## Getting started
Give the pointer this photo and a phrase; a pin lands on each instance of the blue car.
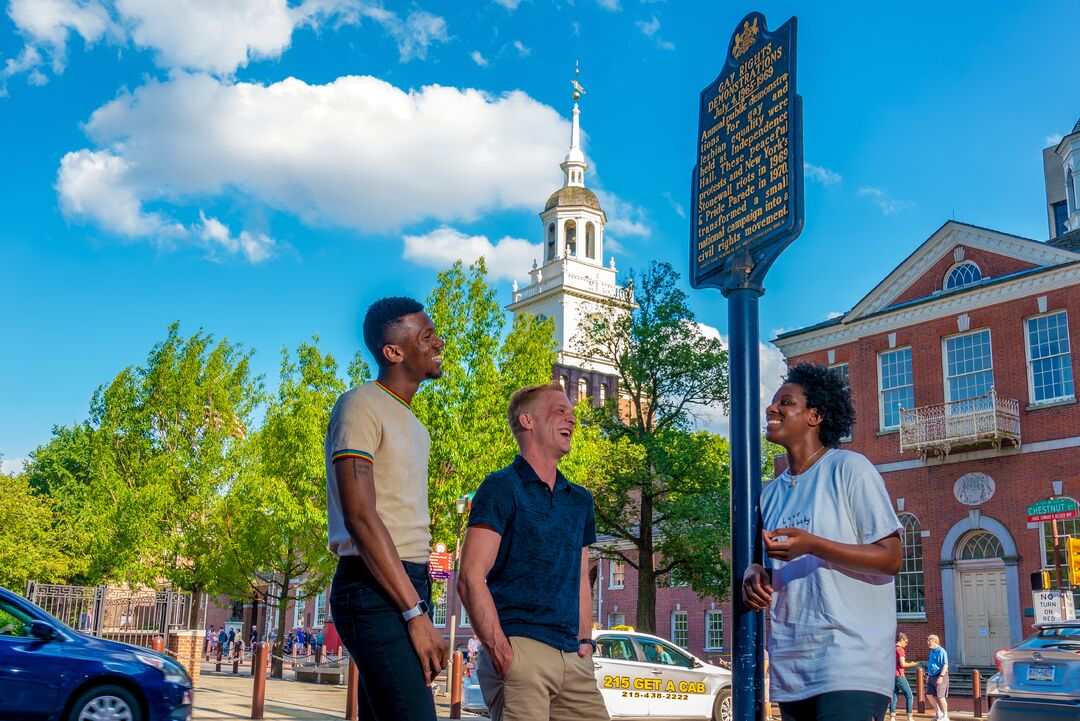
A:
(50, 671)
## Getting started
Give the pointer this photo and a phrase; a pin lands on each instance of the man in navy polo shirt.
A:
(524, 575)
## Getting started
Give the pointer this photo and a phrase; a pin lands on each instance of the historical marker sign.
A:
(1052, 509)
(748, 180)
(440, 563)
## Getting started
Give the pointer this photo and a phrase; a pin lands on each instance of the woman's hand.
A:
(756, 588)
(796, 543)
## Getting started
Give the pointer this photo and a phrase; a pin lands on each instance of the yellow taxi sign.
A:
(1072, 557)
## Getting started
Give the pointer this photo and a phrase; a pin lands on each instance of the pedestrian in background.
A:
(937, 678)
(208, 643)
(902, 685)
(378, 518)
(223, 641)
(231, 645)
(524, 575)
(253, 637)
(833, 541)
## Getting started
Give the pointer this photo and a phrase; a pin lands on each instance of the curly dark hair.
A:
(380, 320)
(828, 393)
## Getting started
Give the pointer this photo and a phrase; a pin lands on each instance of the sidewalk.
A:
(225, 696)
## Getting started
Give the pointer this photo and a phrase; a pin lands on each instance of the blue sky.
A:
(264, 169)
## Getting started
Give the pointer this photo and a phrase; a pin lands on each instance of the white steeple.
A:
(574, 166)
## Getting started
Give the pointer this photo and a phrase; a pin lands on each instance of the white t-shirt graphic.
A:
(831, 629)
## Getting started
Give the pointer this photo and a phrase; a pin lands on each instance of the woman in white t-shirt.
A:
(833, 544)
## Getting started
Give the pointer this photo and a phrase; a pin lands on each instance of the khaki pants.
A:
(542, 683)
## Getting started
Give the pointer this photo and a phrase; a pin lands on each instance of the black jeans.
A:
(837, 706)
(392, 685)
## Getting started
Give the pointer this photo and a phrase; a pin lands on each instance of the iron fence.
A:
(130, 615)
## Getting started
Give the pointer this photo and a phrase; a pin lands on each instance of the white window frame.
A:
(912, 615)
(439, 605)
(613, 564)
(299, 606)
(318, 618)
(1030, 360)
(881, 390)
(685, 617)
(616, 615)
(463, 620)
(945, 361)
(709, 616)
(954, 266)
(837, 366)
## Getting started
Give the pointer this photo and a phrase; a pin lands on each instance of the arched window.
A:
(563, 381)
(551, 242)
(603, 392)
(962, 275)
(582, 389)
(910, 592)
(571, 238)
(980, 545)
(590, 241)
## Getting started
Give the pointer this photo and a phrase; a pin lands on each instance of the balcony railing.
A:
(988, 420)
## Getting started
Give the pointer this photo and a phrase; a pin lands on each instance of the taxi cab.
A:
(645, 677)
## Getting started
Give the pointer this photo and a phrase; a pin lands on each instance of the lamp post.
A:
(462, 504)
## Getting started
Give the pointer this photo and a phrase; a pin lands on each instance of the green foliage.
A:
(32, 545)
(465, 410)
(658, 485)
(271, 525)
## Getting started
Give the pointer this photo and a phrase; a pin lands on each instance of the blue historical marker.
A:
(747, 199)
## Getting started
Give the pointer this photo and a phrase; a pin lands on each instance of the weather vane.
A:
(578, 90)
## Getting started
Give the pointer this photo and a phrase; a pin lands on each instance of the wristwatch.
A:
(588, 641)
(419, 609)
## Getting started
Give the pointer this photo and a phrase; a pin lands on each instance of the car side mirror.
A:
(698, 663)
(43, 631)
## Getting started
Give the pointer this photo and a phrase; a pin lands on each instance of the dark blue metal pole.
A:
(748, 626)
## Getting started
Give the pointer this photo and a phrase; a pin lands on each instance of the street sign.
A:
(1053, 606)
(1052, 509)
(440, 563)
(1072, 558)
(747, 194)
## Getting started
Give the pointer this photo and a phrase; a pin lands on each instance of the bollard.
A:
(157, 643)
(920, 681)
(294, 650)
(217, 668)
(237, 650)
(318, 655)
(455, 686)
(351, 691)
(976, 692)
(258, 686)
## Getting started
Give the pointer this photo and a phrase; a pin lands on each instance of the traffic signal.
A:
(1040, 581)
(1072, 557)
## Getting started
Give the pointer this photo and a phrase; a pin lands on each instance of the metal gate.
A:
(129, 615)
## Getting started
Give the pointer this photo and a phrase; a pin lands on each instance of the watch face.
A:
(423, 606)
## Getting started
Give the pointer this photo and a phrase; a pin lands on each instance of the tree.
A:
(465, 410)
(271, 525)
(663, 489)
(32, 545)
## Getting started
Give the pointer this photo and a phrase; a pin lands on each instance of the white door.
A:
(622, 676)
(983, 614)
(683, 689)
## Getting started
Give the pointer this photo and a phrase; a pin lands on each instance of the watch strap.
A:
(419, 609)
(589, 641)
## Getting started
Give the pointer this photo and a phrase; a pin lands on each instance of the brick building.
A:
(960, 366)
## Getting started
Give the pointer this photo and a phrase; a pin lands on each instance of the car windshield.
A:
(1056, 636)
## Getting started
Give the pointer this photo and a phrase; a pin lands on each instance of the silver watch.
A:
(420, 608)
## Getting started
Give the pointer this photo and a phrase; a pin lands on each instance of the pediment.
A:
(922, 272)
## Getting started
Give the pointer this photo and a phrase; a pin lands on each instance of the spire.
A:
(574, 166)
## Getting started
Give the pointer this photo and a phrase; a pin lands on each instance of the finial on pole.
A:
(578, 90)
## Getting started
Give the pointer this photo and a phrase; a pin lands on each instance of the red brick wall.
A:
(992, 265)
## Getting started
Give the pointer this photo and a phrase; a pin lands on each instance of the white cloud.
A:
(1054, 139)
(821, 175)
(256, 247)
(886, 202)
(833, 314)
(624, 218)
(675, 205)
(651, 30)
(522, 50)
(509, 4)
(13, 465)
(478, 58)
(347, 153)
(771, 370)
(610, 5)
(509, 258)
(215, 36)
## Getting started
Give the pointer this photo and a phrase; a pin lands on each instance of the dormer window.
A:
(963, 275)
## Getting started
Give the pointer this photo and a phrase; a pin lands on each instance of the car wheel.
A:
(722, 706)
(106, 703)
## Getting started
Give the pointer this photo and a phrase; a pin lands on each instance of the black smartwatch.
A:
(588, 641)
(419, 609)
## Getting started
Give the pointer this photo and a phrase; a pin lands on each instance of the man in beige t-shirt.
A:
(377, 518)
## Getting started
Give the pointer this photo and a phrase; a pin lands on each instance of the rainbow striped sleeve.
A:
(349, 453)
